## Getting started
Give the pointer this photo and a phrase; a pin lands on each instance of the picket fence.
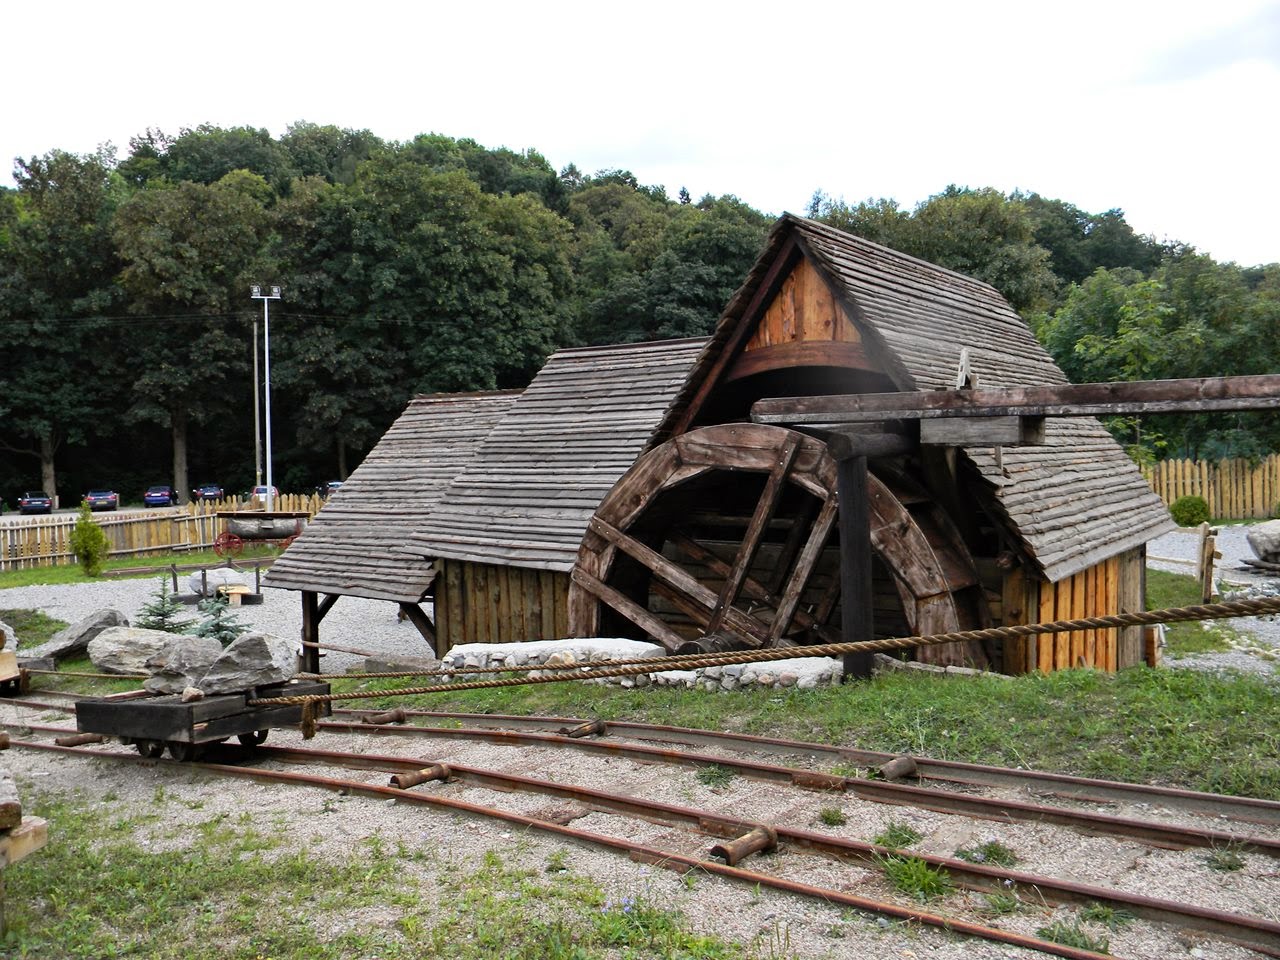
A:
(1234, 489)
(43, 541)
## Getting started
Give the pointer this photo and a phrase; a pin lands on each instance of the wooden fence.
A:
(1234, 489)
(44, 541)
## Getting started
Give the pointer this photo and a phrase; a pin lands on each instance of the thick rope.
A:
(1212, 611)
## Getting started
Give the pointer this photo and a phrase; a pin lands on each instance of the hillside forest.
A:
(438, 264)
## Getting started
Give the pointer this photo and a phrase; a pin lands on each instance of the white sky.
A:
(1168, 110)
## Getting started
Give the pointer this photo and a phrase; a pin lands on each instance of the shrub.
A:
(162, 611)
(89, 543)
(219, 622)
(1189, 511)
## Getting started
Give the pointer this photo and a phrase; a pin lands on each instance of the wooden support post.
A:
(418, 617)
(309, 658)
(855, 562)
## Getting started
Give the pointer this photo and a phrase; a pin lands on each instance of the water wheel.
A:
(727, 530)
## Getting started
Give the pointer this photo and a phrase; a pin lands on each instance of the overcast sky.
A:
(1166, 109)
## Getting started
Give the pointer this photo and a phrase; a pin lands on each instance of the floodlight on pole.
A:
(255, 293)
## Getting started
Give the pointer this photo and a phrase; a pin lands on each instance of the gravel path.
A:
(1259, 651)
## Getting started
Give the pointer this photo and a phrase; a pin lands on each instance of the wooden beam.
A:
(801, 353)
(751, 587)
(418, 617)
(856, 603)
(803, 570)
(326, 605)
(1010, 431)
(845, 445)
(23, 840)
(750, 629)
(765, 509)
(1197, 395)
(637, 614)
(309, 658)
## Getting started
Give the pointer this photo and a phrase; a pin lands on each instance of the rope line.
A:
(1211, 611)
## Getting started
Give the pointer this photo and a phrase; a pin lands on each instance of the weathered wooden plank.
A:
(21, 841)
(1260, 392)
(637, 614)
(805, 564)
(1010, 430)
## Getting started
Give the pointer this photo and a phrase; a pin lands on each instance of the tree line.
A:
(438, 264)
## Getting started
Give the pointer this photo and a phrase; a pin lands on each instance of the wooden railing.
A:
(42, 541)
(1234, 489)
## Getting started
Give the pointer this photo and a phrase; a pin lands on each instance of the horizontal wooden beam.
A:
(982, 431)
(1197, 395)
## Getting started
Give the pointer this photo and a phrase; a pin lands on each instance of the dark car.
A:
(35, 501)
(102, 500)
(160, 496)
(207, 491)
(328, 489)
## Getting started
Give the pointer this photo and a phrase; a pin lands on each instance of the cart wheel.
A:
(180, 751)
(284, 544)
(251, 740)
(227, 544)
(149, 748)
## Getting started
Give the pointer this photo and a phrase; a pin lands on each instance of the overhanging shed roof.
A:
(1071, 502)
(527, 495)
(353, 546)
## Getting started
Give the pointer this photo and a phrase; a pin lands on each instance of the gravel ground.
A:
(1260, 650)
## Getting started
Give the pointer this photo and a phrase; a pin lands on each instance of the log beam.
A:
(1195, 395)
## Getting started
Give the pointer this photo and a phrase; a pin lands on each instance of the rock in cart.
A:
(153, 724)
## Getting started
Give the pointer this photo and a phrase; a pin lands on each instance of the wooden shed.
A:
(626, 491)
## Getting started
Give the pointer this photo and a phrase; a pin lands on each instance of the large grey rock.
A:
(127, 649)
(253, 660)
(207, 583)
(76, 638)
(8, 638)
(1264, 539)
(182, 663)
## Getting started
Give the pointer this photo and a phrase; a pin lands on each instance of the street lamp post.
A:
(255, 293)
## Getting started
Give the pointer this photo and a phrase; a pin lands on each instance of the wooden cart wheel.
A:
(251, 740)
(149, 748)
(227, 544)
(285, 543)
(181, 751)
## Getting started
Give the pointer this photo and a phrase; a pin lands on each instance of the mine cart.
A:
(256, 526)
(154, 723)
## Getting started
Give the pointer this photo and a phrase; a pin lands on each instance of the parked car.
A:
(207, 491)
(160, 496)
(328, 489)
(102, 500)
(260, 494)
(35, 501)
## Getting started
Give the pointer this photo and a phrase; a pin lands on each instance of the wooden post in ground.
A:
(309, 658)
(855, 562)
(1207, 553)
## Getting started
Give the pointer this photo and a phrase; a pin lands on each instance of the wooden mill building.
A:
(627, 492)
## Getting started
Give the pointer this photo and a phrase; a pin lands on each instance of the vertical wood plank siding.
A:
(1115, 585)
(1236, 489)
(44, 541)
(486, 603)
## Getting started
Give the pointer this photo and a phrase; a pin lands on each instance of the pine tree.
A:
(219, 622)
(161, 611)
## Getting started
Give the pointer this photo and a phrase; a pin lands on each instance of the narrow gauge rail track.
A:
(1252, 932)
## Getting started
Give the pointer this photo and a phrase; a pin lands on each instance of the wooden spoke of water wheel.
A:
(756, 612)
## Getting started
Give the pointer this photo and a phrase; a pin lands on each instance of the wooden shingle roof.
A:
(527, 495)
(353, 546)
(1071, 502)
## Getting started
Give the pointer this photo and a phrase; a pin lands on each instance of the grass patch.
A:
(714, 775)
(71, 572)
(832, 817)
(1071, 934)
(32, 626)
(992, 851)
(897, 835)
(1110, 917)
(1001, 904)
(1166, 589)
(915, 877)
(237, 892)
(1225, 859)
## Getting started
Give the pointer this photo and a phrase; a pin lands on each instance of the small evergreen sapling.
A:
(89, 543)
(162, 610)
(219, 622)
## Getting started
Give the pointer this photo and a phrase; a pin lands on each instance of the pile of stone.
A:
(194, 666)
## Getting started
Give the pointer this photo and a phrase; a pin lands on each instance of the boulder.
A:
(8, 639)
(253, 660)
(127, 649)
(181, 664)
(76, 638)
(1264, 538)
(207, 583)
